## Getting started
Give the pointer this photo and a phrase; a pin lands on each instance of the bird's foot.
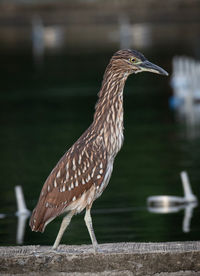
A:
(54, 249)
(97, 249)
(45, 251)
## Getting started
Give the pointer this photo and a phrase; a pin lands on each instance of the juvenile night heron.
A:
(84, 171)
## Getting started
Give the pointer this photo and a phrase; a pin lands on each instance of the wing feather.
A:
(83, 165)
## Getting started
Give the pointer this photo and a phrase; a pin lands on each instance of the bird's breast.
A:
(113, 133)
(106, 178)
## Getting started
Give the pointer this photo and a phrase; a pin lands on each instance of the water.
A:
(44, 110)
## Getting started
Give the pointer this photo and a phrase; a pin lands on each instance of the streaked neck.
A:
(108, 117)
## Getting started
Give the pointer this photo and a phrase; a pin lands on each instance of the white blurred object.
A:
(167, 201)
(131, 35)
(188, 194)
(171, 204)
(188, 216)
(185, 82)
(142, 35)
(22, 213)
(125, 32)
(53, 36)
(44, 37)
(38, 43)
(21, 205)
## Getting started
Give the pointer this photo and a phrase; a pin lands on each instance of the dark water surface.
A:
(43, 111)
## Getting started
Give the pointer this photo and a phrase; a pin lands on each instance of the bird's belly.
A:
(85, 200)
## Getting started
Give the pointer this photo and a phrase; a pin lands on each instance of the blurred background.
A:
(52, 58)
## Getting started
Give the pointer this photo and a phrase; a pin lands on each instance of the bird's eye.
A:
(132, 59)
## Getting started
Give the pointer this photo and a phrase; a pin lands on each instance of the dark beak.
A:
(151, 67)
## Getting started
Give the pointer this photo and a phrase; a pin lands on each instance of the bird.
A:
(83, 172)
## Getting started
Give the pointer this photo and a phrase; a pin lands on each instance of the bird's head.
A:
(131, 61)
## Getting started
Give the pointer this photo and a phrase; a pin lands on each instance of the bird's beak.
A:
(151, 67)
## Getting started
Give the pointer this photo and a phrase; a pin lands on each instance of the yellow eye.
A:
(132, 59)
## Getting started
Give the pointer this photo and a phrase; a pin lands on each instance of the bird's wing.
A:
(81, 167)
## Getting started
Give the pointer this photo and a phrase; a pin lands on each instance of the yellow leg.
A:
(88, 222)
(65, 222)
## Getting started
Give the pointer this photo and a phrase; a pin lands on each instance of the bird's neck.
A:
(108, 117)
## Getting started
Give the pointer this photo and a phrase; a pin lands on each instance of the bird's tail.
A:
(37, 227)
(37, 222)
(42, 215)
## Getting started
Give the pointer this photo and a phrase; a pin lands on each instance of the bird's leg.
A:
(65, 222)
(88, 222)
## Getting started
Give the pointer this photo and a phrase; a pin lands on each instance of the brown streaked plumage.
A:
(84, 171)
